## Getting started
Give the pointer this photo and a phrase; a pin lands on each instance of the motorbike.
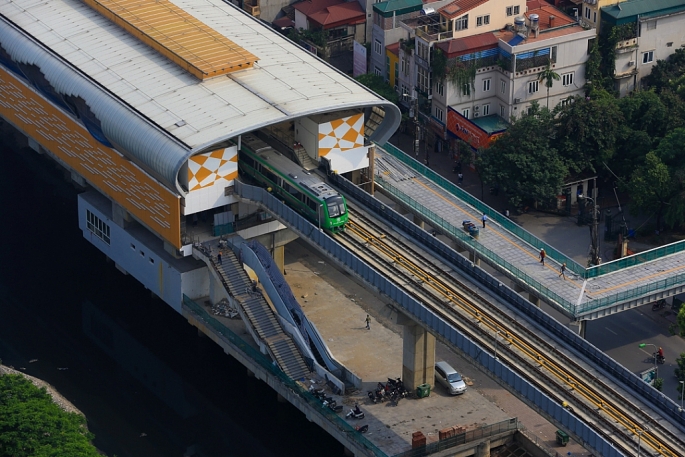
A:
(362, 429)
(355, 413)
(658, 305)
(332, 405)
(660, 359)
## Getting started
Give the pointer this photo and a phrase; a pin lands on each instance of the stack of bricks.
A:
(418, 439)
(449, 432)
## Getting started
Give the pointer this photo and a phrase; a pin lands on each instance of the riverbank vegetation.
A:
(33, 425)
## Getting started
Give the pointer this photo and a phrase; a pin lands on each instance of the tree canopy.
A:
(31, 424)
(378, 85)
(523, 161)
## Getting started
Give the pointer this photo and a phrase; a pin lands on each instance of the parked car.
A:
(449, 378)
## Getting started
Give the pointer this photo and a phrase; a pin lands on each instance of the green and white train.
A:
(301, 190)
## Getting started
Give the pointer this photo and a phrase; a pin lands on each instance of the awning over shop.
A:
(478, 133)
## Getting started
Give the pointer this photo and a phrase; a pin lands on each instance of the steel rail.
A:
(380, 241)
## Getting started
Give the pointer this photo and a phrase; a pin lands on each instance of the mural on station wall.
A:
(104, 168)
(341, 135)
(204, 170)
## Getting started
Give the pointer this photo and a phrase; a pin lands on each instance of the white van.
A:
(448, 377)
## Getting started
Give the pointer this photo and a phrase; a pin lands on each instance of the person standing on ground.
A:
(368, 322)
(562, 270)
(484, 218)
(460, 177)
(218, 256)
(543, 254)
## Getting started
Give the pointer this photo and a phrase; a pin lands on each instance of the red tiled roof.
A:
(308, 7)
(544, 10)
(467, 45)
(340, 14)
(459, 7)
(284, 22)
(394, 48)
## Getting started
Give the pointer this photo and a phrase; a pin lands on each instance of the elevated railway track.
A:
(555, 372)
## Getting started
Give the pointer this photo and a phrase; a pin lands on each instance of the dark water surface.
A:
(62, 304)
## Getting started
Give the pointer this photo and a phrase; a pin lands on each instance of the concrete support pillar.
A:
(421, 224)
(483, 449)
(518, 289)
(418, 355)
(534, 300)
(474, 258)
(279, 257)
(583, 328)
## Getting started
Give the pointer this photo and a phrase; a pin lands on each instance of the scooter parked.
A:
(355, 413)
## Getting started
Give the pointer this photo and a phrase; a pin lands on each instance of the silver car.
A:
(448, 377)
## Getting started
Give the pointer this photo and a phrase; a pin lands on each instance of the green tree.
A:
(548, 75)
(651, 187)
(523, 162)
(645, 111)
(31, 424)
(378, 85)
(680, 362)
(680, 320)
(586, 131)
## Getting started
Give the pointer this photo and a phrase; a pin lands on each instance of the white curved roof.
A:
(286, 82)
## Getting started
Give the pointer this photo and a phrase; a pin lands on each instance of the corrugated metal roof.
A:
(460, 46)
(156, 111)
(177, 35)
(398, 7)
(627, 11)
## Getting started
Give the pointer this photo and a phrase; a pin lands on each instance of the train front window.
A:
(336, 206)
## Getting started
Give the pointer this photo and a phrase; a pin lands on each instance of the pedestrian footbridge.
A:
(586, 294)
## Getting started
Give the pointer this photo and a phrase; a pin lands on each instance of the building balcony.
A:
(626, 45)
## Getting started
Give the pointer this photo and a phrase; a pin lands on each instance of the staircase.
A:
(303, 158)
(261, 317)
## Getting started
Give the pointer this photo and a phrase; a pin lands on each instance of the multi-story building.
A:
(506, 72)
(387, 29)
(651, 31)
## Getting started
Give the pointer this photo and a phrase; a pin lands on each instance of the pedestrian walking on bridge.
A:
(543, 254)
(484, 218)
(562, 270)
(368, 322)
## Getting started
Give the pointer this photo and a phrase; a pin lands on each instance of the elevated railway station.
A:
(151, 107)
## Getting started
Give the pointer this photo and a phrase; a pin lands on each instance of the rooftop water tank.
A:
(534, 21)
(426, 10)
(520, 24)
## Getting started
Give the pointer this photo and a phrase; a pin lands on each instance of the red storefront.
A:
(474, 135)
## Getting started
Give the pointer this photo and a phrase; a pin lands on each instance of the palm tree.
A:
(548, 76)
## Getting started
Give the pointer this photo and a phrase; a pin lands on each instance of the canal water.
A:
(147, 383)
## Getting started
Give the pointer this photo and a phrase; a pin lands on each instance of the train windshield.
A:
(336, 206)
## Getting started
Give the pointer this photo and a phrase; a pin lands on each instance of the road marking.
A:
(611, 330)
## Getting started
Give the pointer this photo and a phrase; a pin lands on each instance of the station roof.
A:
(140, 95)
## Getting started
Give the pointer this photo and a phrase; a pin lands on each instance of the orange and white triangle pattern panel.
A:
(341, 135)
(206, 169)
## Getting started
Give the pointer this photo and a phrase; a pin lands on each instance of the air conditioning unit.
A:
(517, 100)
(476, 108)
(476, 114)
(631, 63)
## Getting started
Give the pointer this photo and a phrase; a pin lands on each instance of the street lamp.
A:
(594, 232)
(656, 369)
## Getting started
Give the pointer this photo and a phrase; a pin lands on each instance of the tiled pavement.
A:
(518, 252)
